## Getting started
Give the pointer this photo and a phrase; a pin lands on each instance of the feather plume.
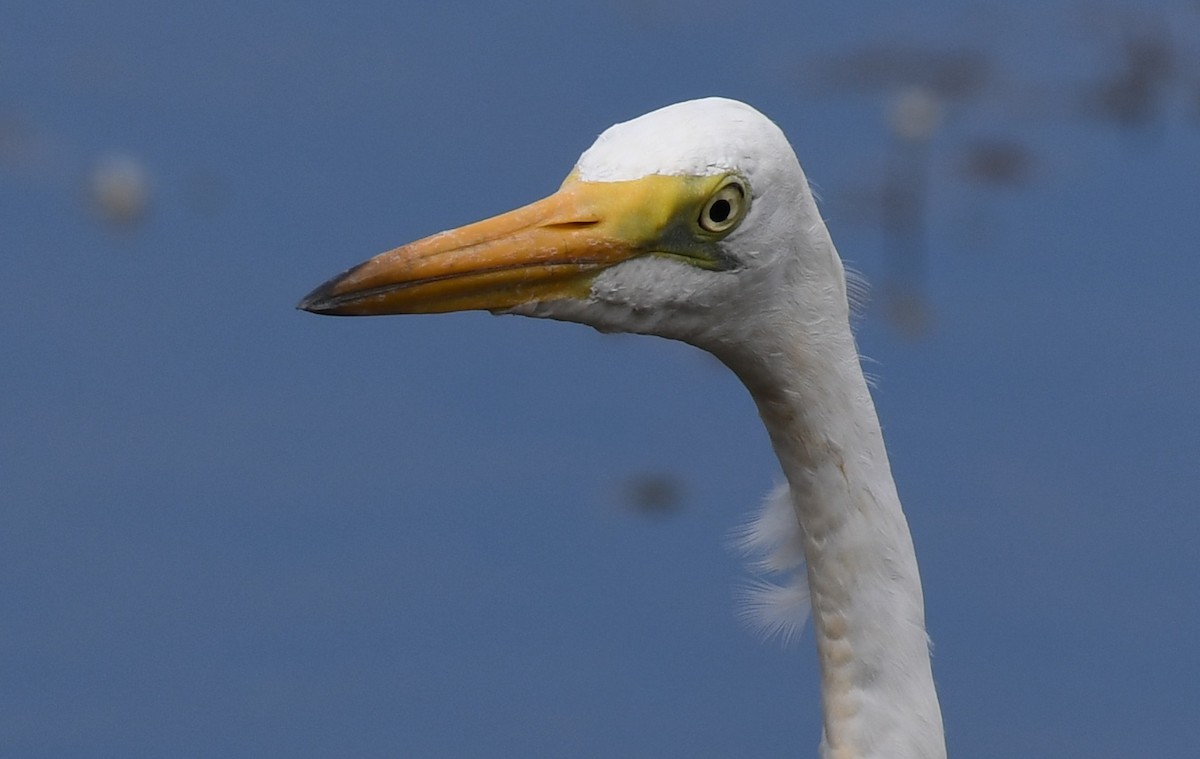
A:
(775, 602)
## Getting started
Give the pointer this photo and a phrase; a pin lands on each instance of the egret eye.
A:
(724, 209)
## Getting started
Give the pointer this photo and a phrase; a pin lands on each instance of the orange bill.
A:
(548, 249)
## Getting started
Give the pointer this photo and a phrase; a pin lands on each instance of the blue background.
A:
(231, 529)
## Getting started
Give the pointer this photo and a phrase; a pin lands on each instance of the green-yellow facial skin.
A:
(661, 212)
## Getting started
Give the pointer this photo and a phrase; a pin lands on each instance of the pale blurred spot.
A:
(915, 114)
(997, 162)
(654, 494)
(119, 190)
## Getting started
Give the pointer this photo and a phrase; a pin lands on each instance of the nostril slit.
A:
(573, 224)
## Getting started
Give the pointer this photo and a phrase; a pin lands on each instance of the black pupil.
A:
(719, 210)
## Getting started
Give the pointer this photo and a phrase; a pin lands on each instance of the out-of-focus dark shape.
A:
(1135, 94)
(119, 189)
(952, 74)
(903, 213)
(654, 494)
(897, 204)
(856, 204)
(1147, 61)
(997, 162)
(914, 118)
(909, 311)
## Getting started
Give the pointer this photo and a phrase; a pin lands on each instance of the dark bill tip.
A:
(325, 298)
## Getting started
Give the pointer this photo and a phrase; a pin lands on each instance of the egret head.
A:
(692, 222)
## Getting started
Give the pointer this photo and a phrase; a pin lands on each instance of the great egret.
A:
(695, 222)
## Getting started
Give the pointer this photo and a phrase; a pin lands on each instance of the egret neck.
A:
(878, 697)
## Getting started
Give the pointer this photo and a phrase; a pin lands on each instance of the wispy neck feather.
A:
(878, 698)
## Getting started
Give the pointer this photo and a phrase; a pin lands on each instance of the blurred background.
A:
(231, 529)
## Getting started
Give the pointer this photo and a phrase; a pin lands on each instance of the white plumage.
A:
(776, 602)
(695, 222)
